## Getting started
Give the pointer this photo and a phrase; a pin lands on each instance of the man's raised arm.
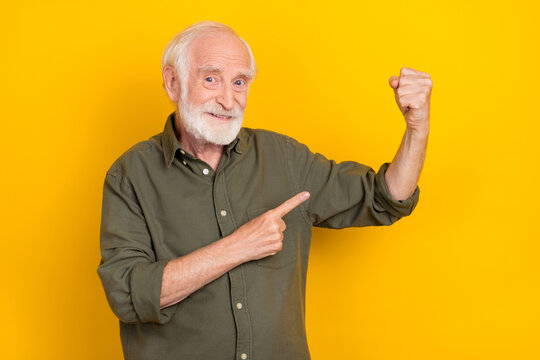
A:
(412, 92)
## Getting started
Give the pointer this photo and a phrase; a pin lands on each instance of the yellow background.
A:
(458, 279)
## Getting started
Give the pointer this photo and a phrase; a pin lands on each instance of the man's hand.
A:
(413, 91)
(263, 236)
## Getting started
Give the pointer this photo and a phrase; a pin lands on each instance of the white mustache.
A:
(218, 110)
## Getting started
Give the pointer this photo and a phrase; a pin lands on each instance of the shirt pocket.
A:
(288, 252)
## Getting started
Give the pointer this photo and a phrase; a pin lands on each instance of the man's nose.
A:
(226, 97)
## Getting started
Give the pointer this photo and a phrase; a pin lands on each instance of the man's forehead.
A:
(214, 51)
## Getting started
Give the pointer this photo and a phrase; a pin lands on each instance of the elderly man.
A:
(206, 227)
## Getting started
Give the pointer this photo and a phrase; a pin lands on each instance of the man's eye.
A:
(211, 79)
(240, 82)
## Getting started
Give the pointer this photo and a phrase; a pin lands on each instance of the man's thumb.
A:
(394, 82)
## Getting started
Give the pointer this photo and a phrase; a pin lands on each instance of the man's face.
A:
(213, 108)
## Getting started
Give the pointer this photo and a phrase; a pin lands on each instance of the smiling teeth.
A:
(223, 117)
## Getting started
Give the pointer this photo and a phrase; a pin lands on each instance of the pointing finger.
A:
(290, 204)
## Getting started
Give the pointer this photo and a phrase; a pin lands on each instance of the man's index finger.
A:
(290, 204)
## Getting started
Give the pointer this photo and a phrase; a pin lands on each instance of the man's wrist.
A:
(230, 248)
(418, 133)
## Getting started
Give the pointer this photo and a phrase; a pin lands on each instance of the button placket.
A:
(238, 303)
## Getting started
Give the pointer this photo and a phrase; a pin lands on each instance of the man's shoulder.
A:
(136, 156)
(266, 135)
(255, 132)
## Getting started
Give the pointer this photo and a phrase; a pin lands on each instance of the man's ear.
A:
(171, 83)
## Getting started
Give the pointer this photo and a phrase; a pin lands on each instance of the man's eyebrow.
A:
(212, 68)
(247, 74)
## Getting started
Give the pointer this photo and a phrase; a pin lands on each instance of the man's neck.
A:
(207, 152)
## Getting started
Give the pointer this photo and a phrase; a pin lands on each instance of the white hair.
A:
(176, 52)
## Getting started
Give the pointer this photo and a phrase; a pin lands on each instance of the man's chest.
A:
(186, 210)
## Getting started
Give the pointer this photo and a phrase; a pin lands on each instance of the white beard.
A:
(207, 129)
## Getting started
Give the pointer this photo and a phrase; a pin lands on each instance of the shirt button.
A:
(205, 171)
(223, 213)
(238, 306)
(184, 162)
(243, 356)
(182, 152)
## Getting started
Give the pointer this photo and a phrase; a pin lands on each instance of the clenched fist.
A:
(263, 236)
(412, 90)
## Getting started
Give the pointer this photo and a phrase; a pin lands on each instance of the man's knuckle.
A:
(406, 71)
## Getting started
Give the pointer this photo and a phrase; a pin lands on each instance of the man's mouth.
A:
(219, 116)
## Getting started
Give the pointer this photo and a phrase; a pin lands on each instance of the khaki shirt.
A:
(160, 202)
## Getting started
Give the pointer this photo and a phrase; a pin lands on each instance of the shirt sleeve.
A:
(345, 194)
(128, 270)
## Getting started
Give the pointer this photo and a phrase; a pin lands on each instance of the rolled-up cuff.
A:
(145, 284)
(383, 198)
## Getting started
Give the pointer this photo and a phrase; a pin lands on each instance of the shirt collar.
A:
(171, 144)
